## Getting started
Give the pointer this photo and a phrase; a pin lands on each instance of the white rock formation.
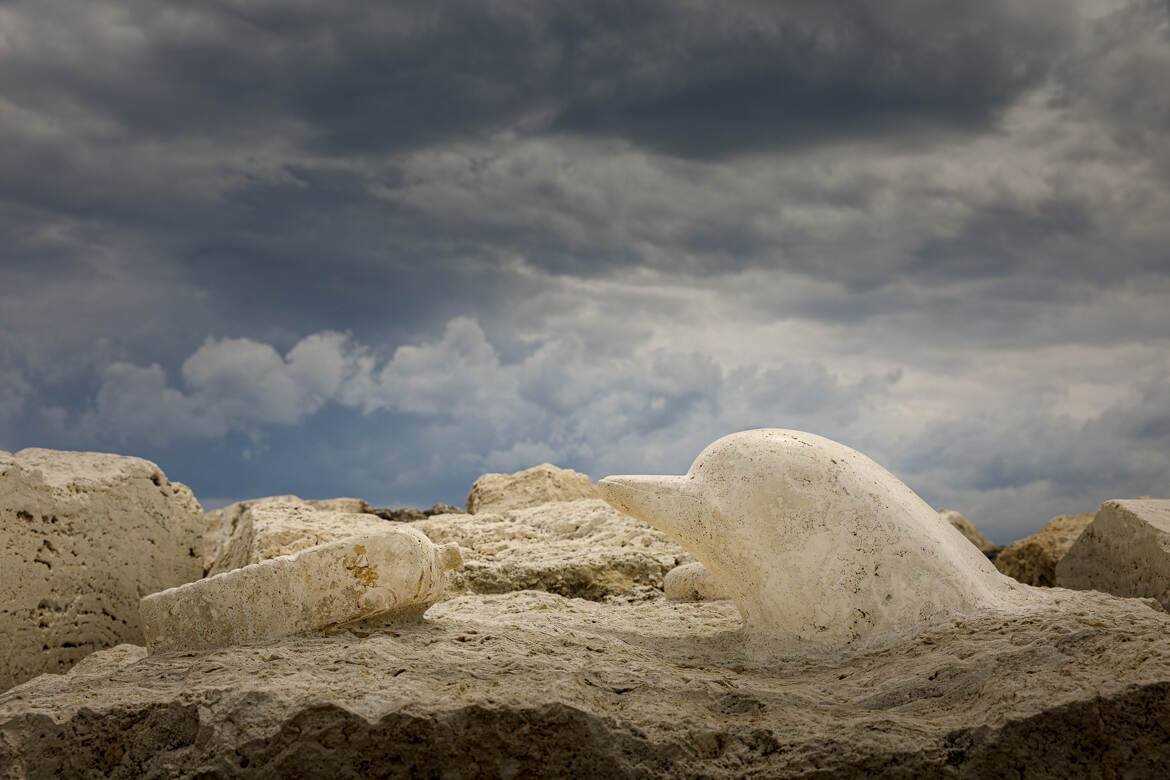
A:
(83, 536)
(1125, 550)
(397, 573)
(815, 541)
(535, 685)
(1033, 559)
(582, 548)
(693, 582)
(253, 531)
(531, 487)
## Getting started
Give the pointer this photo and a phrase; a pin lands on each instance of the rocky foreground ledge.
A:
(531, 683)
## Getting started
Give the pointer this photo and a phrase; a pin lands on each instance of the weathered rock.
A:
(1125, 550)
(397, 572)
(692, 582)
(817, 544)
(578, 548)
(973, 534)
(253, 531)
(83, 536)
(1032, 560)
(534, 685)
(531, 487)
(349, 506)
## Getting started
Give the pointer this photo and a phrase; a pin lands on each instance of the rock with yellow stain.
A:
(397, 573)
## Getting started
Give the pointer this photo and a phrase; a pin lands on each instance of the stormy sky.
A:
(376, 249)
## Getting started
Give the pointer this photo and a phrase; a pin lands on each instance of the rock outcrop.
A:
(1033, 559)
(253, 531)
(397, 573)
(83, 536)
(538, 485)
(580, 548)
(969, 530)
(535, 685)
(1125, 550)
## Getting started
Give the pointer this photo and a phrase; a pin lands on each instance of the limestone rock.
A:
(83, 536)
(692, 582)
(534, 685)
(969, 530)
(816, 543)
(1032, 560)
(531, 487)
(1125, 550)
(397, 572)
(349, 506)
(253, 531)
(580, 548)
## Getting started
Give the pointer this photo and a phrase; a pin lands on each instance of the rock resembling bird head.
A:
(814, 540)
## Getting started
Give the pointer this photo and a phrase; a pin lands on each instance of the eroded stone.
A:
(398, 572)
(1125, 550)
(83, 536)
(693, 582)
(1033, 559)
(531, 487)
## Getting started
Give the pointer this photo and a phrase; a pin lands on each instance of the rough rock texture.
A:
(1032, 560)
(578, 548)
(397, 572)
(253, 531)
(531, 487)
(815, 542)
(692, 582)
(969, 530)
(1124, 551)
(534, 685)
(83, 536)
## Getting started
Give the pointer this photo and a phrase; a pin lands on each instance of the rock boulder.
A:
(969, 530)
(1032, 560)
(1125, 550)
(582, 548)
(531, 487)
(83, 536)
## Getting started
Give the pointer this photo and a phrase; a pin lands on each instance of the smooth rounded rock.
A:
(816, 542)
(693, 582)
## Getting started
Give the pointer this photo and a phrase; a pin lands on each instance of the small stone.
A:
(538, 485)
(397, 573)
(1033, 560)
(1125, 551)
(692, 582)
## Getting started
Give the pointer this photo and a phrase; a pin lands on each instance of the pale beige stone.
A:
(692, 582)
(1033, 559)
(397, 573)
(535, 685)
(531, 487)
(582, 548)
(1125, 550)
(254, 531)
(969, 530)
(83, 536)
(818, 544)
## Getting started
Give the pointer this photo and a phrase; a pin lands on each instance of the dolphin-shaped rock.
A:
(815, 541)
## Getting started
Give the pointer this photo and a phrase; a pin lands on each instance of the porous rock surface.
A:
(969, 530)
(531, 487)
(532, 684)
(582, 548)
(397, 572)
(83, 536)
(1033, 559)
(1125, 550)
(253, 531)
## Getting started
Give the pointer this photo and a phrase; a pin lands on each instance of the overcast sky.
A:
(376, 249)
